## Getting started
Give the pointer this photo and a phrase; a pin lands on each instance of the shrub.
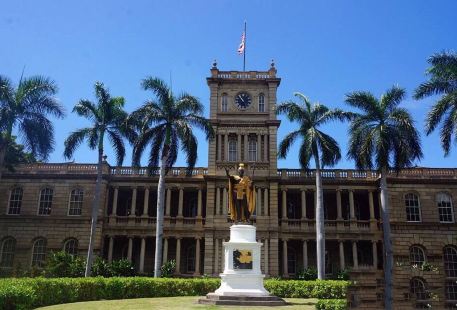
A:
(332, 304)
(122, 268)
(325, 289)
(101, 268)
(168, 269)
(62, 264)
(309, 273)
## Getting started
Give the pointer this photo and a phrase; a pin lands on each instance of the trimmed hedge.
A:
(332, 304)
(28, 293)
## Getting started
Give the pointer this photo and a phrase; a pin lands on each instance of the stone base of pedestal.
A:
(249, 301)
(250, 285)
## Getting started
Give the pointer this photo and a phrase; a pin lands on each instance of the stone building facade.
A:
(46, 207)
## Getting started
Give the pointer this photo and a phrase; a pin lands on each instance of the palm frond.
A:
(438, 111)
(392, 97)
(286, 143)
(362, 100)
(158, 87)
(74, 140)
(118, 145)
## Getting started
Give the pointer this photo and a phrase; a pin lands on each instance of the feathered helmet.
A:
(241, 166)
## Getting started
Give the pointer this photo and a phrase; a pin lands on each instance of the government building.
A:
(46, 207)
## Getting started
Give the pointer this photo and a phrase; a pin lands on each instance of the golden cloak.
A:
(250, 196)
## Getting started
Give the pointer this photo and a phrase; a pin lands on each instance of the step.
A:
(270, 301)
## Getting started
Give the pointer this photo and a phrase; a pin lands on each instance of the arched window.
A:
(261, 103)
(76, 202)
(224, 103)
(252, 148)
(451, 290)
(450, 261)
(413, 212)
(7, 252)
(445, 209)
(416, 255)
(14, 206)
(190, 259)
(232, 151)
(71, 246)
(291, 260)
(39, 252)
(45, 204)
(418, 288)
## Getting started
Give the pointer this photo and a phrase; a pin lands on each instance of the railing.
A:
(244, 75)
(135, 221)
(331, 225)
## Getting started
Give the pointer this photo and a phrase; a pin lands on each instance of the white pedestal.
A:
(242, 275)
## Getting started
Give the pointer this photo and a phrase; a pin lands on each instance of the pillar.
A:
(284, 204)
(375, 254)
(116, 193)
(130, 249)
(265, 147)
(265, 257)
(305, 254)
(218, 200)
(197, 256)
(146, 202)
(110, 249)
(219, 146)
(224, 201)
(258, 202)
(199, 203)
(303, 203)
(238, 145)
(354, 254)
(265, 202)
(178, 255)
(168, 202)
(180, 202)
(339, 210)
(342, 263)
(351, 204)
(246, 142)
(258, 153)
(216, 256)
(165, 251)
(371, 205)
(142, 251)
(133, 208)
(226, 147)
(285, 271)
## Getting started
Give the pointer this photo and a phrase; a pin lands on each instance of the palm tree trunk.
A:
(320, 231)
(95, 207)
(160, 211)
(388, 265)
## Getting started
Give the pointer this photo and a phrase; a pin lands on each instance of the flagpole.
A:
(244, 52)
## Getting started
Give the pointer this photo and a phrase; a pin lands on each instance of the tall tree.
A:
(25, 109)
(15, 155)
(383, 136)
(443, 81)
(315, 145)
(108, 119)
(167, 122)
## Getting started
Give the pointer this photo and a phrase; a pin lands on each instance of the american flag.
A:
(241, 47)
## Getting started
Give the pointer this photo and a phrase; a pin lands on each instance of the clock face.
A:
(243, 101)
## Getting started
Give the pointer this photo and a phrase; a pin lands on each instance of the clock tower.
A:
(243, 115)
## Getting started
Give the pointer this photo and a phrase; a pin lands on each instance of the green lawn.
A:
(170, 303)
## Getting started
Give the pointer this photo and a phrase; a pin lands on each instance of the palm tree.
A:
(25, 109)
(317, 145)
(443, 81)
(167, 122)
(383, 136)
(108, 118)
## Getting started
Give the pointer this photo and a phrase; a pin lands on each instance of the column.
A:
(218, 200)
(285, 271)
(351, 204)
(219, 146)
(375, 254)
(142, 251)
(354, 254)
(265, 202)
(226, 147)
(199, 203)
(216, 256)
(180, 202)
(110, 249)
(224, 201)
(284, 204)
(265, 257)
(265, 147)
(246, 154)
(130, 249)
(146, 202)
(165, 251)
(339, 210)
(258, 208)
(238, 145)
(305, 254)
(168, 203)
(116, 193)
(178, 255)
(342, 263)
(133, 208)
(197, 256)
(371, 204)
(303, 203)
(258, 153)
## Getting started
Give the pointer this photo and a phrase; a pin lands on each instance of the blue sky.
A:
(323, 49)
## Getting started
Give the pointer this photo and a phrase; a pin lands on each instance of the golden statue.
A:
(241, 196)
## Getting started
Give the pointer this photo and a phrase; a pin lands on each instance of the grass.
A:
(171, 303)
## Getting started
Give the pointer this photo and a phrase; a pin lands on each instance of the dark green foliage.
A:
(343, 274)
(309, 273)
(101, 268)
(16, 155)
(168, 269)
(28, 293)
(62, 264)
(332, 304)
(122, 268)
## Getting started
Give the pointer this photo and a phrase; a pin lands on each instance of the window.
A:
(450, 261)
(252, 148)
(76, 202)
(224, 103)
(232, 152)
(190, 209)
(291, 261)
(71, 246)
(417, 287)
(7, 252)
(190, 259)
(39, 252)
(416, 255)
(451, 290)
(413, 213)
(15, 201)
(45, 204)
(261, 103)
(445, 209)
